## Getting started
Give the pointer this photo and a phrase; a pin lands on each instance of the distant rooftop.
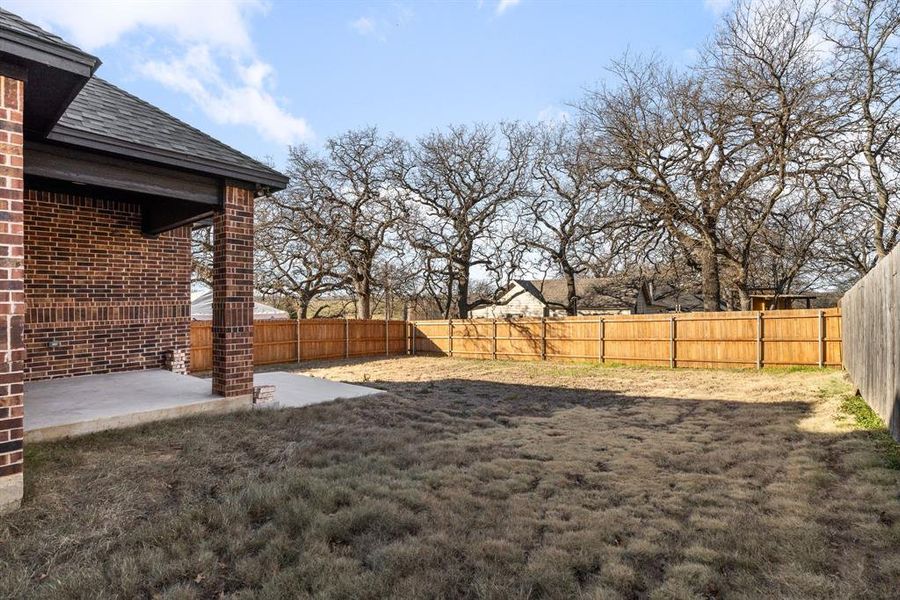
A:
(592, 292)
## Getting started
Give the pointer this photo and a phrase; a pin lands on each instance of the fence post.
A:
(298, 337)
(601, 340)
(543, 338)
(346, 337)
(759, 339)
(450, 337)
(412, 335)
(672, 342)
(821, 338)
(387, 338)
(494, 340)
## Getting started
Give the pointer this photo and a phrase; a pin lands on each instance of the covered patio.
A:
(99, 191)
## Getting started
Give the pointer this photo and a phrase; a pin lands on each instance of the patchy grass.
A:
(475, 480)
(865, 418)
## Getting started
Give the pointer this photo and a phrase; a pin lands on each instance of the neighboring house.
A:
(673, 299)
(548, 298)
(770, 300)
(202, 303)
(610, 296)
(668, 298)
(99, 190)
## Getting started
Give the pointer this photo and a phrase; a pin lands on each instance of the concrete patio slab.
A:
(293, 390)
(66, 407)
(58, 408)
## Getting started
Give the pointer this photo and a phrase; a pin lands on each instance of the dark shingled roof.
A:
(19, 25)
(106, 117)
(602, 293)
(686, 298)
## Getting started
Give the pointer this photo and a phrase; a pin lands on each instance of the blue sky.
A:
(261, 75)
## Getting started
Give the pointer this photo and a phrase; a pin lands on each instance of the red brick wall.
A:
(101, 296)
(12, 299)
(232, 327)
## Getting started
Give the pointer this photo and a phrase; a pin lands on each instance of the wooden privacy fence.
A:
(727, 339)
(288, 340)
(872, 341)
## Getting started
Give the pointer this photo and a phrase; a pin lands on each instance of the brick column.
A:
(12, 295)
(232, 326)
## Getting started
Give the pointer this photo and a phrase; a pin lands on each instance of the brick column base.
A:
(12, 294)
(176, 361)
(232, 326)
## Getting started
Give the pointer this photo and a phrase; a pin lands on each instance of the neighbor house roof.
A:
(593, 292)
(105, 117)
(201, 309)
(768, 295)
(673, 298)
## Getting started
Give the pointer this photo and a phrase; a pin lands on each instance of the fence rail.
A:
(287, 340)
(729, 339)
(872, 345)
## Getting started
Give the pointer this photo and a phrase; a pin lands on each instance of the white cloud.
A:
(363, 26)
(377, 27)
(552, 114)
(218, 68)
(717, 7)
(505, 5)
(234, 101)
(93, 24)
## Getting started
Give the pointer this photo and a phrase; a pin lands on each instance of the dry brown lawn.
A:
(476, 480)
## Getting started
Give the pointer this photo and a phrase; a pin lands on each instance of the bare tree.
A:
(708, 150)
(295, 259)
(349, 195)
(765, 62)
(202, 255)
(460, 185)
(574, 218)
(867, 70)
(789, 247)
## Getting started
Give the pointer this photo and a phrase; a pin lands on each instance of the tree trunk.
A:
(739, 297)
(463, 262)
(709, 271)
(881, 212)
(363, 290)
(743, 295)
(571, 300)
(462, 295)
(303, 310)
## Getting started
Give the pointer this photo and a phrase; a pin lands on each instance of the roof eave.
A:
(47, 53)
(62, 72)
(269, 178)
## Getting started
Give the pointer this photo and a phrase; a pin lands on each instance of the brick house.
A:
(98, 194)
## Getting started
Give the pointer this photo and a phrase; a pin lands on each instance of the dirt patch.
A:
(475, 480)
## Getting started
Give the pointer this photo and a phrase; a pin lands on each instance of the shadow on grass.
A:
(460, 489)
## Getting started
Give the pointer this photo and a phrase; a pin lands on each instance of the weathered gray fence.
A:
(871, 313)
